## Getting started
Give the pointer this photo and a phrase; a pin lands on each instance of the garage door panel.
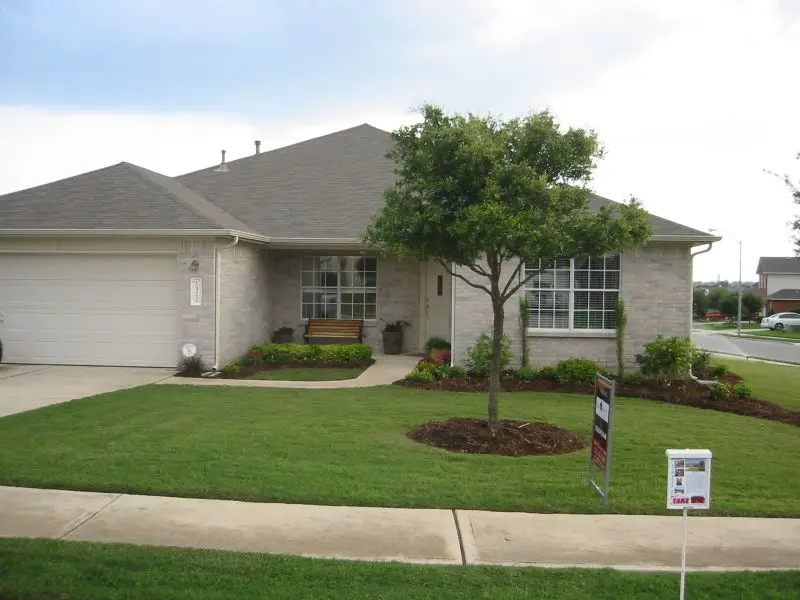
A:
(89, 309)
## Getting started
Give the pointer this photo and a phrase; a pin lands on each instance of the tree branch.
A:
(513, 275)
(478, 270)
(516, 288)
(477, 286)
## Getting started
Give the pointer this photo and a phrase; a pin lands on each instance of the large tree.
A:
(794, 190)
(490, 196)
(752, 304)
(699, 303)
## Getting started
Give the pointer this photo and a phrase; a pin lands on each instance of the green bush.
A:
(437, 343)
(454, 371)
(667, 359)
(546, 373)
(427, 371)
(479, 357)
(701, 361)
(345, 353)
(304, 353)
(634, 379)
(720, 392)
(580, 370)
(527, 373)
(719, 370)
(740, 390)
(232, 368)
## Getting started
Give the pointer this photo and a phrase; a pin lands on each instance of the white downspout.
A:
(217, 296)
(453, 281)
(691, 304)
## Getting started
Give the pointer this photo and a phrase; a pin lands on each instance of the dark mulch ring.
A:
(257, 368)
(515, 438)
(693, 394)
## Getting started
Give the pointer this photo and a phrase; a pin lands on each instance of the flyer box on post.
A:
(688, 479)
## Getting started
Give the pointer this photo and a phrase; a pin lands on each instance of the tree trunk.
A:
(494, 373)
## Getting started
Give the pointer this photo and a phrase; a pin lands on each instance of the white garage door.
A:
(89, 309)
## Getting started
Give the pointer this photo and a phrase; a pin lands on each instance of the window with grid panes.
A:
(339, 287)
(578, 293)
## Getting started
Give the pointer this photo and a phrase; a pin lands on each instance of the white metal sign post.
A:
(688, 487)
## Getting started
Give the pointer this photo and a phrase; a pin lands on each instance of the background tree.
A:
(715, 296)
(699, 303)
(752, 304)
(729, 306)
(490, 196)
(794, 190)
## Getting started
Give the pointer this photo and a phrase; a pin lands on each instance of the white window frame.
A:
(339, 286)
(571, 329)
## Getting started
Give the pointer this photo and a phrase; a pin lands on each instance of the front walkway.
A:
(401, 534)
(386, 370)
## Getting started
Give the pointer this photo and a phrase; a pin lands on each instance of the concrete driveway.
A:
(27, 387)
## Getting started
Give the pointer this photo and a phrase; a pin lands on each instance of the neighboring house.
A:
(779, 282)
(122, 266)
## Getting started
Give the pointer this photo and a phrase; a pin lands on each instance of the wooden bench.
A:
(334, 331)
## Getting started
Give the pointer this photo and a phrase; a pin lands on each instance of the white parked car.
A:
(780, 321)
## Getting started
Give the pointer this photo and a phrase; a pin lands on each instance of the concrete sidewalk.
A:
(407, 535)
(385, 371)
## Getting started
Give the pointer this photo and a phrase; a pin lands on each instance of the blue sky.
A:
(693, 100)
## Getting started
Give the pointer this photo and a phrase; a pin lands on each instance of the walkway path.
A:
(385, 371)
(408, 535)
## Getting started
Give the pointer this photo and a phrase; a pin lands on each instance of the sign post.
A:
(688, 487)
(600, 456)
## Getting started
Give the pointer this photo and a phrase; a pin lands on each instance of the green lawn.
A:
(310, 374)
(45, 569)
(769, 333)
(776, 383)
(716, 326)
(348, 447)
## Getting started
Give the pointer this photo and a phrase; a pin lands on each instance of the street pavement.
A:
(747, 347)
(434, 536)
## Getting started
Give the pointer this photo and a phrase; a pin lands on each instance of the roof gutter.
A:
(697, 239)
(300, 243)
(255, 237)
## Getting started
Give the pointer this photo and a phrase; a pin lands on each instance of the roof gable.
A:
(122, 196)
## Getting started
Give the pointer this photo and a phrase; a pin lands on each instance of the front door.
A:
(438, 301)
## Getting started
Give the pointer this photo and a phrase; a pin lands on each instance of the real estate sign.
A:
(688, 479)
(600, 456)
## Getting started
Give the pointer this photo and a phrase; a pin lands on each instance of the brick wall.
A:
(244, 300)
(656, 285)
(196, 323)
(398, 297)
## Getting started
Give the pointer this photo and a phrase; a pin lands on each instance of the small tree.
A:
(715, 297)
(491, 197)
(729, 306)
(794, 190)
(752, 304)
(699, 303)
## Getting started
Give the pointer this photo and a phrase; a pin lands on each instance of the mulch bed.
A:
(694, 394)
(247, 371)
(514, 438)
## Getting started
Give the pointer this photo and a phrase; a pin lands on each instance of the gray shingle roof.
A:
(778, 264)
(785, 295)
(327, 187)
(123, 196)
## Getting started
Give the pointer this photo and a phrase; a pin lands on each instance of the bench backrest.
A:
(333, 328)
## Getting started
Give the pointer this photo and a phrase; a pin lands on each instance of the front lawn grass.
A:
(348, 447)
(777, 383)
(309, 374)
(45, 569)
(717, 326)
(771, 333)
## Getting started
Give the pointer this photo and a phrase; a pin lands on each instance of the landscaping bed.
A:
(690, 394)
(513, 438)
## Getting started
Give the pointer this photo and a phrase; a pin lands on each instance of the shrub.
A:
(741, 391)
(305, 353)
(580, 370)
(527, 373)
(700, 361)
(344, 353)
(193, 365)
(232, 368)
(427, 371)
(719, 371)
(634, 379)
(443, 358)
(454, 371)
(479, 356)
(546, 373)
(437, 343)
(720, 392)
(667, 359)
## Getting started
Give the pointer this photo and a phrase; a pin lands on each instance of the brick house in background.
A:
(779, 283)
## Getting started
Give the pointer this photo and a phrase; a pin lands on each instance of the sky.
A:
(692, 100)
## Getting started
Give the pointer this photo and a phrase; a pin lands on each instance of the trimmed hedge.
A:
(303, 353)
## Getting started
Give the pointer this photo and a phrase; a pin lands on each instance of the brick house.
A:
(122, 266)
(779, 283)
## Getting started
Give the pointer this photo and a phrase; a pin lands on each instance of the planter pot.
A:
(392, 342)
(282, 338)
(435, 353)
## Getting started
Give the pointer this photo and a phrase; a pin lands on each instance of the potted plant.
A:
(393, 336)
(282, 335)
(436, 346)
